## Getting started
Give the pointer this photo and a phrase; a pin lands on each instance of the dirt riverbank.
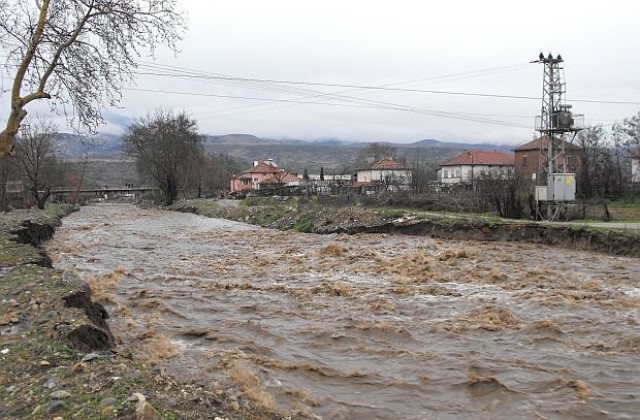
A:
(307, 216)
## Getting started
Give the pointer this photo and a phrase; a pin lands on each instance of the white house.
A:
(387, 172)
(465, 168)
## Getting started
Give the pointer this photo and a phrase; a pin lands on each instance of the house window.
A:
(570, 162)
(446, 173)
(525, 160)
(457, 173)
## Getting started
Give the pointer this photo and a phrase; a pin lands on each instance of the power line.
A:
(349, 86)
(382, 105)
(197, 74)
(305, 95)
(311, 94)
(213, 76)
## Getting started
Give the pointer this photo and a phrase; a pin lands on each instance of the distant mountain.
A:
(239, 140)
(334, 155)
(102, 145)
(293, 154)
(296, 156)
(431, 143)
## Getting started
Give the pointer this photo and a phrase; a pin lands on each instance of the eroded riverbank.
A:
(57, 354)
(365, 325)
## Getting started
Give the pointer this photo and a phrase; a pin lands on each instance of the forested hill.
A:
(332, 154)
(295, 155)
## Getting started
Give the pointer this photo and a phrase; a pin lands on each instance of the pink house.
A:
(263, 174)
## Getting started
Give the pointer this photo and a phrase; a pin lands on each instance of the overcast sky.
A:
(449, 46)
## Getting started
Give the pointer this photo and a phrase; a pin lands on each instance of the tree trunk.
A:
(41, 199)
(6, 144)
(170, 191)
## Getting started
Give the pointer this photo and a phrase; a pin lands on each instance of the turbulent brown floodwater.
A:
(366, 326)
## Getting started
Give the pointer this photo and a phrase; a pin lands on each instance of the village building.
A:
(263, 174)
(387, 173)
(531, 161)
(469, 166)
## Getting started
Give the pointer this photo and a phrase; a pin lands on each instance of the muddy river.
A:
(365, 326)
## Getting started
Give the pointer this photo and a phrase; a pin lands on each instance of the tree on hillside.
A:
(36, 158)
(373, 152)
(164, 144)
(77, 53)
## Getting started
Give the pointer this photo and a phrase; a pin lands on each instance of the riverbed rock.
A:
(56, 406)
(144, 410)
(50, 383)
(60, 395)
(89, 357)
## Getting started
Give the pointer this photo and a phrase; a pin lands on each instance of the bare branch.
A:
(79, 52)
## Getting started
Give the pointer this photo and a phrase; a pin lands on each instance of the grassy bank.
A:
(625, 210)
(299, 214)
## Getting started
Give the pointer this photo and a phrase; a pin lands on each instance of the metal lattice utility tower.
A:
(555, 121)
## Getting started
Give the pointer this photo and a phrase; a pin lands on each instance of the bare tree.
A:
(77, 53)
(501, 190)
(8, 176)
(629, 130)
(219, 169)
(373, 152)
(627, 133)
(423, 171)
(36, 158)
(592, 152)
(164, 144)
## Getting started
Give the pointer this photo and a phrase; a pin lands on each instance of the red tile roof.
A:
(264, 168)
(480, 157)
(535, 145)
(387, 163)
(285, 178)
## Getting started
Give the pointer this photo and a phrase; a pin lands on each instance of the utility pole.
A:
(473, 181)
(554, 122)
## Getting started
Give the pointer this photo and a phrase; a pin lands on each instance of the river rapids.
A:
(369, 326)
